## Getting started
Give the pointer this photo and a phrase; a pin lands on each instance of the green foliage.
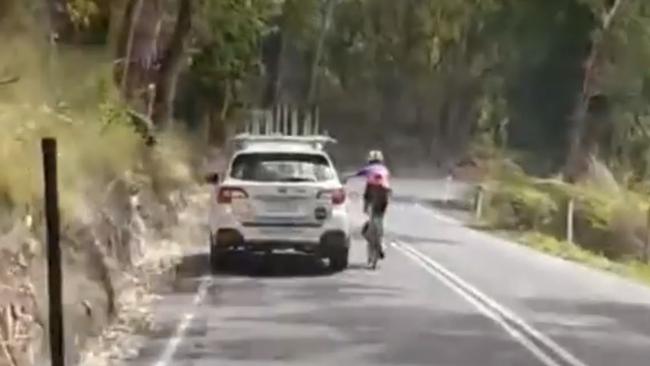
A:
(565, 250)
(228, 39)
(414, 36)
(112, 113)
(448, 75)
(520, 205)
(82, 12)
(300, 20)
(605, 223)
(595, 207)
(515, 69)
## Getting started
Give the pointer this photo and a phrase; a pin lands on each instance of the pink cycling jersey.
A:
(376, 174)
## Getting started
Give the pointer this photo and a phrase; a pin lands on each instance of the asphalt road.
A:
(445, 295)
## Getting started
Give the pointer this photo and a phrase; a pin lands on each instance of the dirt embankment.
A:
(110, 253)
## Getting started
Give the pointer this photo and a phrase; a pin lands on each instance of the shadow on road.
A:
(358, 267)
(193, 266)
(254, 265)
(275, 265)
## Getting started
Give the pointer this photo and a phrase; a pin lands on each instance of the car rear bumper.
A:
(277, 233)
(272, 234)
(315, 242)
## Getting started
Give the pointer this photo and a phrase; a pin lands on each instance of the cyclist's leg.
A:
(382, 205)
(366, 199)
(364, 229)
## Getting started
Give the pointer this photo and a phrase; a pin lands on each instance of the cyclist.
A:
(377, 189)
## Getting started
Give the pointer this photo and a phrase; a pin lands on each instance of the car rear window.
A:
(282, 167)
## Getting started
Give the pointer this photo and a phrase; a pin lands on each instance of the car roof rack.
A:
(283, 124)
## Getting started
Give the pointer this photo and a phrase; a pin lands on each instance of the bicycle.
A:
(373, 232)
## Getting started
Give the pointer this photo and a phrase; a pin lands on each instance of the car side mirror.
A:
(212, 178)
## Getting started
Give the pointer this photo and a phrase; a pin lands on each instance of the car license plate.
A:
(284, 231)
(277, 207)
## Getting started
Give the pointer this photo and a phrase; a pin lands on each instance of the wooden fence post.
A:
(646, 246)
(54, 271)
(569, 220)
(447, 193)
(478, 202)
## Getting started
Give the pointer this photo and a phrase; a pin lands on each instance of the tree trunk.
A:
(276, 59)
(170, 66)
(465, 117)
(312, 86)
(580, 150)
(125, 50)
(117, 17)
(137, 50)
(59, 19)
(279, 76)
(218, 115)
(271, 53)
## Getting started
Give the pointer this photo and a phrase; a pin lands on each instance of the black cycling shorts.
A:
(377, 197)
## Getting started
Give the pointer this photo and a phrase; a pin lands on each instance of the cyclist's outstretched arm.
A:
(361, 173)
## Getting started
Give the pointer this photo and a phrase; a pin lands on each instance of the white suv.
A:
(280, 192)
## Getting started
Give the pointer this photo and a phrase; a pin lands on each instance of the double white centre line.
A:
(543, 348)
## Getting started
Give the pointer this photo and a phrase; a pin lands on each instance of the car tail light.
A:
(337, 195)
(227, 194)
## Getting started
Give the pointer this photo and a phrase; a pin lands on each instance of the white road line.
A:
(440, 217)
(492, 309)
(569, 358)
(514, 333)
(436, 214)
(173, 343)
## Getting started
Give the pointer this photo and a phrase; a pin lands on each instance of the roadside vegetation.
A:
(548, 98)
(571, 126)
(104, 168)
(610, 225)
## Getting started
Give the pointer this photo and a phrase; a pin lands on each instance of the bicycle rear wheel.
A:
(373, 235)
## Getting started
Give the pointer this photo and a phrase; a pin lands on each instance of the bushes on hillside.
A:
(604, 222)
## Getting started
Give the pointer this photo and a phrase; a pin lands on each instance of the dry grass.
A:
(59, 95)
(68, 99)
(97, 142)
(88, 154)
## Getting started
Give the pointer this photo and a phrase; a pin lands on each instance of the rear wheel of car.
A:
(217, 256)
(339, 259)
(334, 246)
